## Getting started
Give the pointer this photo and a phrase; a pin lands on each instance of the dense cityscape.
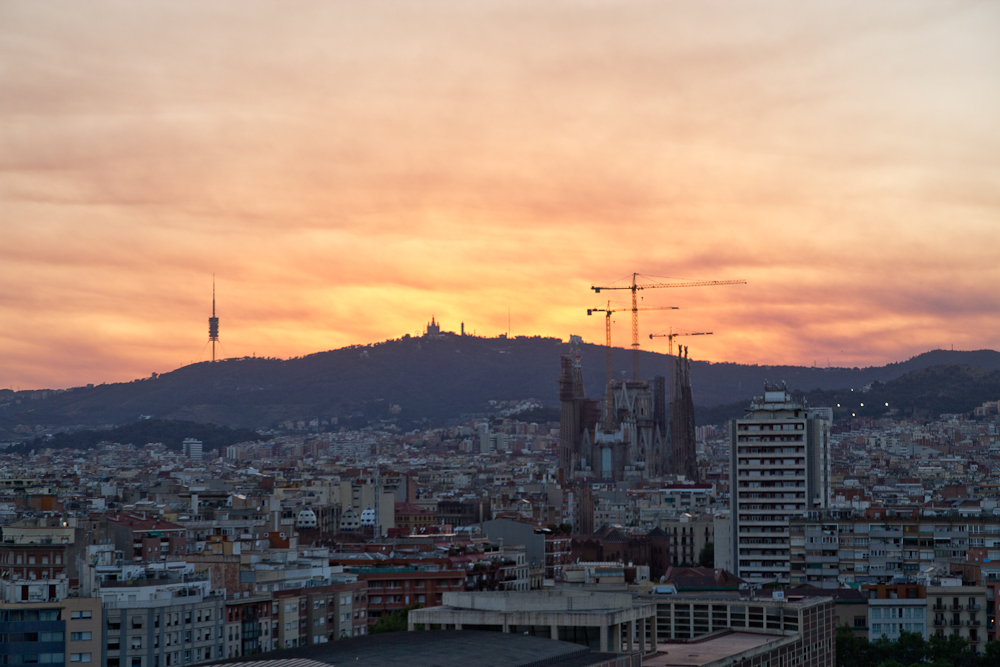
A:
(141, 555)
(590, 333)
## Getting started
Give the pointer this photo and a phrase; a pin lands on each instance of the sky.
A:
(346, 170)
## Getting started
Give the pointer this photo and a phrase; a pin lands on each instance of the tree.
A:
(395, 621)
(852, 651)
(706, 557)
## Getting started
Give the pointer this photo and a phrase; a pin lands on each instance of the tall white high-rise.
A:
(779, 468)
(192, 449)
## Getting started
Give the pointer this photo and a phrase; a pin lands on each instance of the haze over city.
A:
(348, 170)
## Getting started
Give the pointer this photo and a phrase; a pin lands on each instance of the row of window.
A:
(32, 560)
(33, 659)
(897, 612)
(893, 629)
(16, 615)
(18, 637)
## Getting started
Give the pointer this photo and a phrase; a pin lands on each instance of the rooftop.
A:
(441, 648)
(705, 652)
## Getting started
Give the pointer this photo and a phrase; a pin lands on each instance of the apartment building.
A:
(958, 610)
(394, 588)
(320, 614)
(51, 632)
(780, 463)
(143, 539)
(896, 608)
(163, 620)
(837, 547)
(248, 626)
(804, 627)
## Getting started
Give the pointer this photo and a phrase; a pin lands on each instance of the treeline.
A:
(926, 393)
(912, 650)
(169, 432)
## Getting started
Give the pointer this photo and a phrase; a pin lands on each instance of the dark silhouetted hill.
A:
(412, 380)
(170, 433)
(926, 393)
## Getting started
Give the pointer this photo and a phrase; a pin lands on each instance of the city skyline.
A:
(349, 171)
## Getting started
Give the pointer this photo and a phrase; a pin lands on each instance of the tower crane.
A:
(635, 287)
(671, 336)
(607, 324)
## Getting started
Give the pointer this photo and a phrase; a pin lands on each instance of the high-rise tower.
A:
(779, 469)
(213, 323)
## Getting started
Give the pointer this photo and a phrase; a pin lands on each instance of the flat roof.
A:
(438, 648)
(699, 653)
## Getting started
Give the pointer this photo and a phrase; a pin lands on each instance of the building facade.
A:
(780, 469)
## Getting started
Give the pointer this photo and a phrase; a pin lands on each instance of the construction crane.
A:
(607, 324)
(635, 287)
(671, 336)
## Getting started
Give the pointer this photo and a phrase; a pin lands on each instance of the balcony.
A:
(957, 607)
(955, 622)
(974, 623)
(822, 559)
(940, 622)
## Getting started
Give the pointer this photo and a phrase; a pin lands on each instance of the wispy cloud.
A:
(346, 170)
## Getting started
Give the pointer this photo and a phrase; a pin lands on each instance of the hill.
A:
(168, 432)
(926, 393)
(411, 380)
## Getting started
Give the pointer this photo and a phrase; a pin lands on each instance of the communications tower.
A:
(213, 323)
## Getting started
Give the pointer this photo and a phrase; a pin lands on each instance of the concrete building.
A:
(52, 632)
(513, 533)
(392, 588)
(801, 630)
(602, 621)
(248, 626)
(958, 611)
(163, 619)
(192, 449)
(37, 559)
(780, 469)
(142, 539)
(838, 547)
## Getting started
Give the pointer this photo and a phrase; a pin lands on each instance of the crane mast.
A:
(670, 338)
(607, 326)
(635, 286)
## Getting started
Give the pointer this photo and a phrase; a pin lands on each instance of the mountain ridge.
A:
(413, 380)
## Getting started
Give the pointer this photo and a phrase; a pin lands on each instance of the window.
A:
(82, 614)
(80, 636)
(79, 657)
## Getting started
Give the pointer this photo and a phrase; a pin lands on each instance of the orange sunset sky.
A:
(348, 169)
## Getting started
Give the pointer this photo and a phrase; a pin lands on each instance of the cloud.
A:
(348, 170)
